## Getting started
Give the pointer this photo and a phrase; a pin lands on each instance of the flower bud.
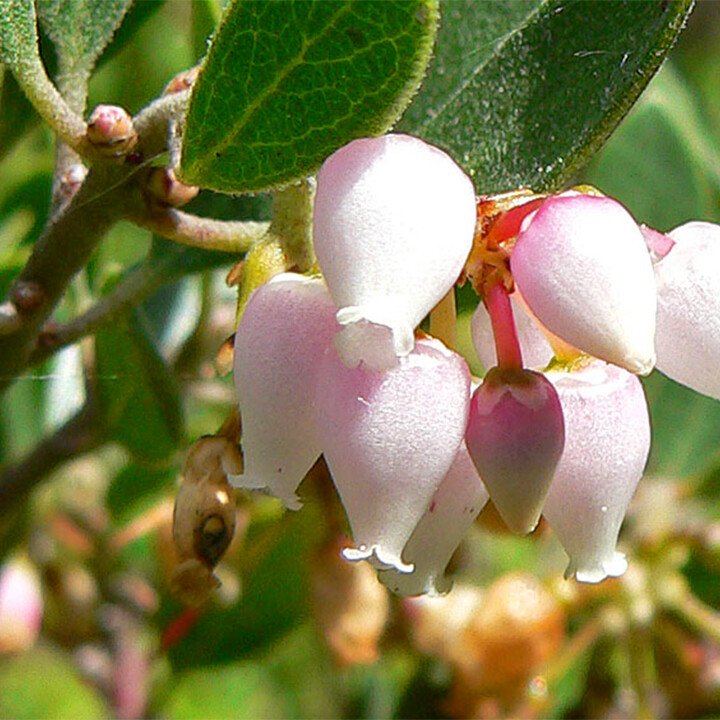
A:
(389, 439)
(515, 436)
(166, 190)
(607, 442)
(286, 327)
(110, 130)
(583, 268)
(394, 222)
(452, 510)
(688, 320)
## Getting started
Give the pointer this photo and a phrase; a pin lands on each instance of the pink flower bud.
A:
(688, 321)
(452, 510)
(515, 437)
(607, 443)
(110, 129)
(389, 439)
(286, 327)
(394, 223)
(582, 266)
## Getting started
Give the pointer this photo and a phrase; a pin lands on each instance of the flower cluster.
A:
(577, 299)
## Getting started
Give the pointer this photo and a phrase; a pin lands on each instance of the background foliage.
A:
(522, 92)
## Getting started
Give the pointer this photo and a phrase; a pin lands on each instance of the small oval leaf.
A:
(288, 82)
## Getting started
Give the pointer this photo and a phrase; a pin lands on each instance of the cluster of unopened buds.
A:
(577, 301)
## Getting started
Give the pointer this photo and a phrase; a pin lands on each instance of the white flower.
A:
(389, 439)
(287, 325)
(394, 222)
(607, 442)
(688, 320)
(582, 266)
(452, 510)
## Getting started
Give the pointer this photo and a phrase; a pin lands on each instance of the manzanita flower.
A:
(582, 266)
(286, 327)
(389, 439)
(394, 222)
(688, 320)
(607, 442)
(515, 436)
(452, 510)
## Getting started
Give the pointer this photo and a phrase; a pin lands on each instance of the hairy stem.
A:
(200, 232)
(138, 285)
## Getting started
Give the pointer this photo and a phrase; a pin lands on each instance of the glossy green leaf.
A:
(41, 683)
(287, 82)
(80, 29)
(138, 393)
(523, 93)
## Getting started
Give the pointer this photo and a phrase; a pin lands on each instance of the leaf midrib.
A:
(229, 138)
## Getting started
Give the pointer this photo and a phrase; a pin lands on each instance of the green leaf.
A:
(41, 683)
(138, 393)
(539, 85)
(80, 29)
(18, 35)
(685, 428)
(136, 488)
(288, 82)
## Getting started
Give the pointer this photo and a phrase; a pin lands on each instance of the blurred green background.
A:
(93, 543)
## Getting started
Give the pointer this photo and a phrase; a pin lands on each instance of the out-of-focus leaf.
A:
(14, 105)
(274, 598)
(137, 392)
(206, 16)
(660, 162)
(686, 428)
(135, 488)
(539, 85)
(41, 683)
(230, 692)
(80, 29)
(286, 83)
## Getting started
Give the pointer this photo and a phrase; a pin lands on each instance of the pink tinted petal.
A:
(515, 437)
(394, 223)
(389, 439)
(287, 325)
(536, 349)
(21, 605)
(452, 510)
(583, 268)
(688, 322)
(607, 442)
